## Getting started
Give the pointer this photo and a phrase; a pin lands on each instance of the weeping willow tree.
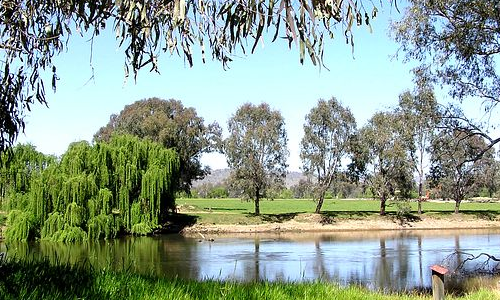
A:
(97, 191)
(17, 170)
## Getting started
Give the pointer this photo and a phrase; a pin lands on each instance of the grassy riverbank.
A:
(41, 280)
(234, 215)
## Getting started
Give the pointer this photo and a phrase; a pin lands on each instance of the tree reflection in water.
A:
(379, 260)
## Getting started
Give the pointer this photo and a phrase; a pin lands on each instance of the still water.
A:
(382, 260)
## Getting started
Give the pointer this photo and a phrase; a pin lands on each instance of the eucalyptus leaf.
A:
(138, 27)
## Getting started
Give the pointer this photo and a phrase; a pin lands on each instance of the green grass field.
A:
(236, 211)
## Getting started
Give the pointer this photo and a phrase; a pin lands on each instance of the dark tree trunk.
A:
(382, 205)
(457, 205)
(420, 187)
(257, 207)
(320, 202)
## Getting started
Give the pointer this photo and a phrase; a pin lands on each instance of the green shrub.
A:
(403, 211)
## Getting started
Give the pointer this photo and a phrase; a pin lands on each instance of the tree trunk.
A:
(257, 207)
(320, 202)
(382, 205)
(420, 196)
(457, 205)
(421, 175)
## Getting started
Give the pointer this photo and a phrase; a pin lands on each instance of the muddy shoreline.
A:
(315, 223)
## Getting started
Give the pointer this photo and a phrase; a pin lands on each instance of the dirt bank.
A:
(318, 223)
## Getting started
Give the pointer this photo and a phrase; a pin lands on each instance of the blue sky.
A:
(366, 82)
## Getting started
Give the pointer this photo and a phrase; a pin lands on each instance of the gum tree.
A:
(256, 151)
(328, 132)
(455, 171)
(419, 109)
(388, 166)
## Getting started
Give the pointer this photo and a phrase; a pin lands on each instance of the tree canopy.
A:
(174, 126)
(32, 34)
(457, 44)
(256, 150)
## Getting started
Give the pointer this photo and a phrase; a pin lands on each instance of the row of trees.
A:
(385, 155)
(413, 146)
(107, 186)
(416, 143)
(303, 189)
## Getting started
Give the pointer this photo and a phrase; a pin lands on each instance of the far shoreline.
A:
(316, 223)
(312, 223)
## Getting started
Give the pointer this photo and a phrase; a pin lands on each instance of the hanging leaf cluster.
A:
(33, 33)
(93, 192)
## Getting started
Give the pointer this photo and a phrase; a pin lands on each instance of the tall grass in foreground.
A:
(41, 280)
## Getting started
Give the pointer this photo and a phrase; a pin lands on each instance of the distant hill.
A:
(293, 178)
(218, 176)
(215, 177)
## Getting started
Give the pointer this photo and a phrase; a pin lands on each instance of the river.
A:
(380, 260)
